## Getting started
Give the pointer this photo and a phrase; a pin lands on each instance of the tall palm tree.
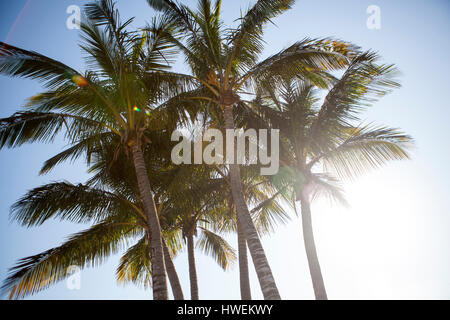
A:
(112, 102)
(118, 176)
(320, 142)
(206, 208)
(266, 213)
(225, 62)
(202, 204)
(259, 193)
(192, 199)
(187, 199)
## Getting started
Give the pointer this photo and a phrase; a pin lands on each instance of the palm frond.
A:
(246, 40)
(159, 50)
(323, 185)
(28, 64)
(176, 12)
(104, 13)
(27, 127)
(308, 59)
(362, 83)
(367, 147)
(216, 247)
(135, 265)
(269, 212)
(87, 248)
(65, 201)
(85, 147)
(102, 56)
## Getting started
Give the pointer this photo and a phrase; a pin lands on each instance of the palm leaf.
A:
(246, 40)
(27, 127)
(19, 62)
(323, 185)
(361, 84)
(65, 201)
(307, 59)
(367, 148)
(217, 247)
(87, 248)
(85, 147)
(135, 265)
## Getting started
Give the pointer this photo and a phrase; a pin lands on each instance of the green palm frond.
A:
(19, 62)
(217, 247)
(246, 40)
(85, 147)
(71, 99)
(361, 84)
(165, 85)
(209, 31)
(65, 201)
(28, 127)
(102, 56)
(159, 50)
(87, 248)
(174, 240)
(135, 265)
(269, 212)
(220, 220)
(104, 13)
(176, 12)
(308, 59)
(366, 148)
(200, 30)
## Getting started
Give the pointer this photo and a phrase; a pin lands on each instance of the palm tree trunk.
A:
(172, 274)
(311, 253)
(192, 268)
(263, 271)
(243, 264)
(156, 248)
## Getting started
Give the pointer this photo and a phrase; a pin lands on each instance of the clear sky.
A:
(394, 241)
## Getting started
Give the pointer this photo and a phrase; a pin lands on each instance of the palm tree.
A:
(265, 216)
(113, 102)
(118, 211)
(118, 176)
(199, 196)
(266, 213)
(192, 199)
(182, 207)
(319, 143)
(85, 203)
(225, 61)
(258, 190)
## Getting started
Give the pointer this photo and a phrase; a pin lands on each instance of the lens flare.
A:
(79, 80)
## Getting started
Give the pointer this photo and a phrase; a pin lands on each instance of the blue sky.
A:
(393, 242)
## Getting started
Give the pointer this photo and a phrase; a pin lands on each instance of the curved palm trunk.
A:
(311, 253)
(172, 274)
(263, 271)
(192, 268)
(156, 248)
(243, 264)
